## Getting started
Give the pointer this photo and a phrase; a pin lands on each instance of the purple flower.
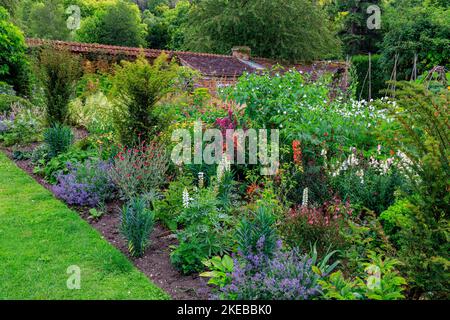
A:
(86, 184)
(285, 276)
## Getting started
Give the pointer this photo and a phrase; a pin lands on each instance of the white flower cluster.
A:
(323, 153)
(351, 161)
(305, 197)
(186, 198)
(382, 166)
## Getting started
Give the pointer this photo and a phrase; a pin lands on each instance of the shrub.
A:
(60, 71)
(7, 101)
(170, 206)
(137, 87)
(423, 138)
(94, 113)
(305, 226)
(51, 168)
(13, 62)
(205, 232)
(395, 219)
(140, 170)
(381, 282)
(40, 154)
(261, 228)
(136, 225)
(23, 125)
(58, 138)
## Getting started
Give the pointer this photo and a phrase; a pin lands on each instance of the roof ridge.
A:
(124, 48)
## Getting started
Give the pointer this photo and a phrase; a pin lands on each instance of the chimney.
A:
(242, 52)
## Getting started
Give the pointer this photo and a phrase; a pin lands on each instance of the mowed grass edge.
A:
(40, 237)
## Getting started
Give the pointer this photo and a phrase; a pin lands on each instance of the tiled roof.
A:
(219, 66)
(213, 65)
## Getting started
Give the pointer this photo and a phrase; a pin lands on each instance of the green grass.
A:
(40, 237)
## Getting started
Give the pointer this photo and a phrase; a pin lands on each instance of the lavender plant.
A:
(74, 192)
(285, 276)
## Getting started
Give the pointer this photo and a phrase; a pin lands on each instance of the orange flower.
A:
(296, 147)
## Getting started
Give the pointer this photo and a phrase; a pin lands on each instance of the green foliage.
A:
(59, 70)
(273, 29)
(10, 5)
(420, 28)
(220, 270)
(94, 113)
(166, 25)
(367, 187)
(137, 225)
(250, 232)
(321, 266)
(422, 135)
(361, 235)
(58, 139)
(50, 168)
(170, 206)
(351, 19)
(137, 87)
(361, 64)
(8, 101)
(96, 214)
(44, 19)
(140, 170)
(395, 219)
(205, 232)
(115, 23)
(20, 122)
(40, 154)
(14, 66)
(381, 282)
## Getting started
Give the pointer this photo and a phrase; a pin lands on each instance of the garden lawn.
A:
(40, 238)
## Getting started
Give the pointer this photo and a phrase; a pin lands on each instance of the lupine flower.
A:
(223, 167)
(186, 198)
(305, 197)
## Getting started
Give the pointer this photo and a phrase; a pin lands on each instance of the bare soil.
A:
(156, 261)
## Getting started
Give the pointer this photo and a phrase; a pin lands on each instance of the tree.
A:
(118, 23)
(13, 62)
(419, 29)
(137, 87)
(59, 71)
(10, 5)
(166, 25)
(289, 29)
